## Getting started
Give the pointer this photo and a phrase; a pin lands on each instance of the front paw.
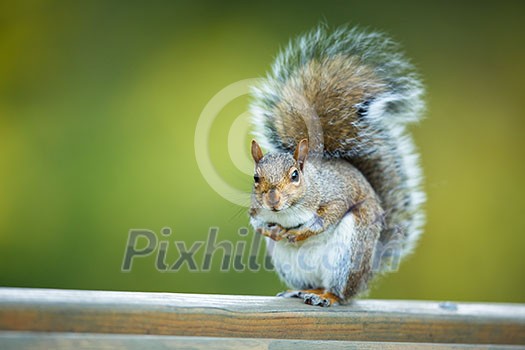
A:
(291, 236)
(272, 230)
(295, 236)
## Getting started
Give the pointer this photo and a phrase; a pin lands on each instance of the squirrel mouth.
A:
(275, 207)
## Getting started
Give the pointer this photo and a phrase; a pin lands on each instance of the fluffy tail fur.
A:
(352, 93)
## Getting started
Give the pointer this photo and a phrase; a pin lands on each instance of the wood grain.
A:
(79, 341)
(73, 311)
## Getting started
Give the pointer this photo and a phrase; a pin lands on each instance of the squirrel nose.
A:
(274, 197)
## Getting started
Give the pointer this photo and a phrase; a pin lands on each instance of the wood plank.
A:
(48, 310)
(59, 341)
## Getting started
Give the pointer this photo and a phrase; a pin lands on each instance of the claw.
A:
(290, 237)
(316, 300)
(300, 293)
(315, 297)
(271, 230)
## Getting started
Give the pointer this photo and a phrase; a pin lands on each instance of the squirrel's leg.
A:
(368, 219)
(327, 214)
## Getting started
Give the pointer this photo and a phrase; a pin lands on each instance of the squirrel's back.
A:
(351, 93)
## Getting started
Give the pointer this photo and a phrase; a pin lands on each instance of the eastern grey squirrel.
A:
(338, 196)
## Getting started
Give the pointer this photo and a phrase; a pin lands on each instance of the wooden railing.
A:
(60, 319)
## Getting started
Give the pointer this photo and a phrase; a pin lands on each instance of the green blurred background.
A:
(99, 102)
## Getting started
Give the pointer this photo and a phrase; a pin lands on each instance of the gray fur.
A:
(382, 149)
(361, 90)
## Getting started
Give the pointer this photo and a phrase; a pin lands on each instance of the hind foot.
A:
(315, 297)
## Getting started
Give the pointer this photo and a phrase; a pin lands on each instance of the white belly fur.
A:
(321, 261)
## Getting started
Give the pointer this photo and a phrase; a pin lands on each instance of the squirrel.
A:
(338, 195)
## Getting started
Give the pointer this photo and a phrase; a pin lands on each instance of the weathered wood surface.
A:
(72, 311)
(59, 341)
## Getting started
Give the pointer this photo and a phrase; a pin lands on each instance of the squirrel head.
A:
(279, 177)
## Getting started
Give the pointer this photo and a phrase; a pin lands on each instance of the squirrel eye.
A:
(295, 176)
(256, 178)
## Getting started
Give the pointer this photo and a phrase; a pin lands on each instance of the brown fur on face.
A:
(278, 178)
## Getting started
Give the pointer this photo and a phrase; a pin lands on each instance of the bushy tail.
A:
(352, 93)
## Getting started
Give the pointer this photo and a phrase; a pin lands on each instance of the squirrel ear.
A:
(256, 151)
(301, 152)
